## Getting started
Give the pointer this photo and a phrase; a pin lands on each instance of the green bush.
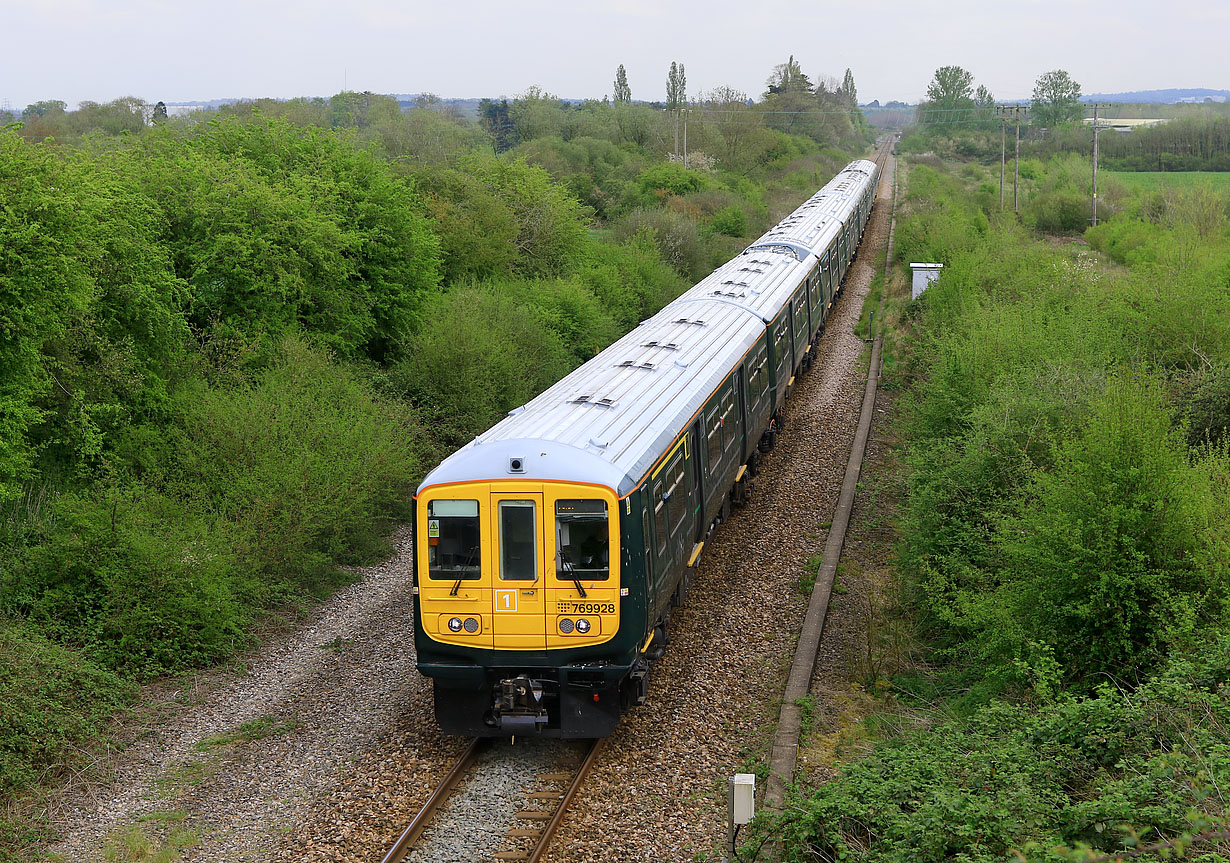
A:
(478, 355)
(550, 223)
(1059, 212)
(630, 280)
(307, 462)
(56, 705)
(1111, 553)
(731, 221)
(568, 309)
(275, 227)
(1206, 400)
(1011, 778)
(135, 579)
(676, 236)
(670, 178)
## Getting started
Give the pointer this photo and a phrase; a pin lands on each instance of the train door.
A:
(757, 398)
(801, 333)
(671, 487)
(781, 355)
(826, 286)
(519, 591)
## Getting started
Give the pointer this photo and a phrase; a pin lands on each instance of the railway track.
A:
(652, 797)
(537, 807)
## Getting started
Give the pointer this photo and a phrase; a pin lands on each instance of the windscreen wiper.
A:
(469, 561)
(572, 573)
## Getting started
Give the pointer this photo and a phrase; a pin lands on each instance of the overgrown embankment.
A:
(1064, 541)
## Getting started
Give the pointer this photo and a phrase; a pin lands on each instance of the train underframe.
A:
(572, 702)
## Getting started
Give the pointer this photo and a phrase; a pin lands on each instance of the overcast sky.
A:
(185, 50)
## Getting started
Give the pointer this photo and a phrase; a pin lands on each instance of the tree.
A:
(160, 113)
(984, 101)
(949, 96)
(47, 107)
(676, 87)
(1057, 99)
(788, 78)
(537, 114)
(848, 91)
(623, 93)
(496, 119)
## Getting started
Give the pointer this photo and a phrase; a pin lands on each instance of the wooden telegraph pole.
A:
(1003, 153)
(1096, 130)
(1016, 164)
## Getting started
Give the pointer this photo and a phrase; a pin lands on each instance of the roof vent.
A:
(633, 364)
(590, 400)
(666, 346)
(696, 323)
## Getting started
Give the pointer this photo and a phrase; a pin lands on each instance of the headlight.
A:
(582, 626)
(454, 623)
(565, 626)
(471, 625)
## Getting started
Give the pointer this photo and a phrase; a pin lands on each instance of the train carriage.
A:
(550, 550)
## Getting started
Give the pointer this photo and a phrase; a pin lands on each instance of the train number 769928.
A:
(586, 608)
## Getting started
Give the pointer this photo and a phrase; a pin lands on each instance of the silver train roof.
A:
(608, 421)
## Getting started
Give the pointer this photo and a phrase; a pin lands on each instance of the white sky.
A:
(184, 50)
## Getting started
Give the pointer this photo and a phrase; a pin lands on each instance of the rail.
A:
(543, 825)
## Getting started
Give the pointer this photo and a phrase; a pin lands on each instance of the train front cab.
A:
(519, 607)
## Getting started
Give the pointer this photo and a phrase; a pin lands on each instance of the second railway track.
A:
(500, 801)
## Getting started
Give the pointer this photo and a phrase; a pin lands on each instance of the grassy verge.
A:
(1048, 670)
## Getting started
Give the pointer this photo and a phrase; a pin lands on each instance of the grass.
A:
(871, 305)
(256, 729)
(183, 777)
(132, 845)
(1149, 180)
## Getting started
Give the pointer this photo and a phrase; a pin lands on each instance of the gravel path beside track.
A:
(339, 686)
(353, 751)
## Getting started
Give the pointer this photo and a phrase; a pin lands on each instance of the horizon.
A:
(154, 49)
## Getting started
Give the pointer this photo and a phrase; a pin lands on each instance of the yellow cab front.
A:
(518, 565)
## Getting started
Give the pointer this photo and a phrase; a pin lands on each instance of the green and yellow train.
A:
(550, 551)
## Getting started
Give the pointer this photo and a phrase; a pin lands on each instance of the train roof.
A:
(610, 420)
(811, 227)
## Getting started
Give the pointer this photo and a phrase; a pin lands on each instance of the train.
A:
(550, 551)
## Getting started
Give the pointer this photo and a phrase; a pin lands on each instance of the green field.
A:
(1142, 180)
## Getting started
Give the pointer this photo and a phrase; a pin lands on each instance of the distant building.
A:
(1125, 124)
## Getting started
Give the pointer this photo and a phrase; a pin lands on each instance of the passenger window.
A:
(676, 493)
(779, 341)
(728, 418)
(714, 424)
(583, 538)
(659, 517)
(518, 540)
(453, 540)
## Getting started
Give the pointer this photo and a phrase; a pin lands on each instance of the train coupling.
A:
(519, 707)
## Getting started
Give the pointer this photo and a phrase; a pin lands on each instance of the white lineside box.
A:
(924, 275)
